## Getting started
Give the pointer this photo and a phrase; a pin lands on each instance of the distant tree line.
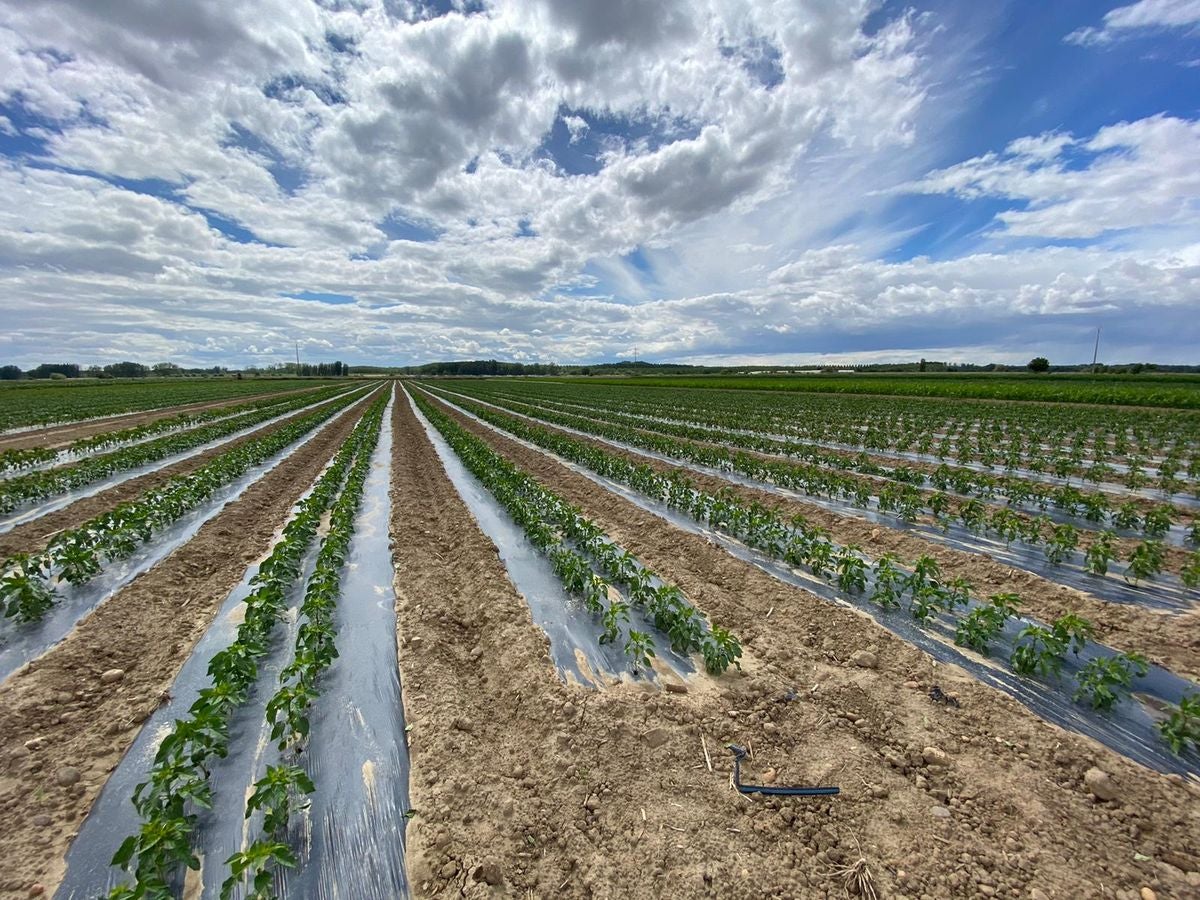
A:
(482, 367)
(337, 368)
(129, 369)
(325, 369)
(640, 367)
(493, 367)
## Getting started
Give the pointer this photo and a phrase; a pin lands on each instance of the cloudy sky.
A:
(399, 181)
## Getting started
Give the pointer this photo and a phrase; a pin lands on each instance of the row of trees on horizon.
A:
(129, 369)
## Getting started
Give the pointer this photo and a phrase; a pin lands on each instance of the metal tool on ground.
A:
(739, 753)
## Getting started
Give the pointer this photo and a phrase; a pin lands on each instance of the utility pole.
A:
(297, 357)
(1096, 351)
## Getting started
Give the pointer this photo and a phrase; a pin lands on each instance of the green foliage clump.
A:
(1181, 728)
(1041, 651)
(984, 623)
(1104, 679)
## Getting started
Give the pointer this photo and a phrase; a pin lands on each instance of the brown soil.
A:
(62, 435)
(1169, 639)
(575, 793)
(55, 712)
(34, 535)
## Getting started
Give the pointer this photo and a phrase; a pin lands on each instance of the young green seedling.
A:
(1104, 679)
(1100, 553)
(1181, 728)
(1146, 561)
(984, 623)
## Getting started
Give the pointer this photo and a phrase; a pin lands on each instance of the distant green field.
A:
(24, 403)
(1166, 391)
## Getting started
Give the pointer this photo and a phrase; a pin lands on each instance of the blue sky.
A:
(565, 180)
(1035, 83)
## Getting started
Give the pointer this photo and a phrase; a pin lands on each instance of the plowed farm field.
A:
(578, 638)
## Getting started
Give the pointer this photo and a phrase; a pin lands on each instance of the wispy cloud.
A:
(1140, 17)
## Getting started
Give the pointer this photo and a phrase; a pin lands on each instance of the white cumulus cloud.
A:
(1138, 174)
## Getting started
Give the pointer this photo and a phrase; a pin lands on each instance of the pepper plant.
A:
(1105, 679)
(1181, 728)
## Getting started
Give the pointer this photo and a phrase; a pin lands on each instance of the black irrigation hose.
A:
(739, 753)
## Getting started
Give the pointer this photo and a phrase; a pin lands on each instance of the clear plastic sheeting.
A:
(1130, 729)
(574, 632)
(22, 642)
(350, 840)
(358, 753)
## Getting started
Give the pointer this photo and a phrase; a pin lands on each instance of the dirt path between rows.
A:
(62, 435)
(981, 800)
(34, 535)
(57, 716)
(1169, 639)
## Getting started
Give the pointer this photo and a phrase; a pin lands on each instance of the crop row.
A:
(586, 561)
(1092, 506)
(280, 791)
(1038, 460)
(27, 404)
(891, 418)
(50, 482)
(178, 780)
(29, 583)
(1073, 440)
(1096, 505)
(29, 457)
(1170, 391)
(13, 460)
(1144, 561)
(887, 581)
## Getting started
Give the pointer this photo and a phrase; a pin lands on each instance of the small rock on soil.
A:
(1100, 784)
(489, 872)
(935, 757)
